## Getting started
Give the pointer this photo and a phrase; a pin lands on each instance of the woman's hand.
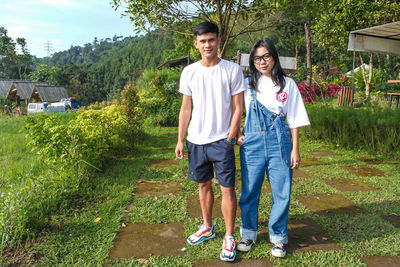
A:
(294, 159)
(240, 139)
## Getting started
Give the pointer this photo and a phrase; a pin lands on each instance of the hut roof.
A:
(24, 89)
(49, 93)
(5, 86)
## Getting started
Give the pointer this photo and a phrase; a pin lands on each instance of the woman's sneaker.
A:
(278, 250)
(245, 245)
(204, 233)
(228, 252)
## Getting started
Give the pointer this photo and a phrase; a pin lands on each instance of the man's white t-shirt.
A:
(211, 89)
(288, 102)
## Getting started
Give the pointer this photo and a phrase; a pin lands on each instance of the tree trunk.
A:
(308, 46)
(370, 72)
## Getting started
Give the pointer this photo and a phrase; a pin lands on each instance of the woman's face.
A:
(263, 61)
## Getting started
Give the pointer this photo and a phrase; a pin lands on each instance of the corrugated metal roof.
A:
(5, 86)
(383, 39)
(51, 93)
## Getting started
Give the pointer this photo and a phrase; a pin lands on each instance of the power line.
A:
(48, 47)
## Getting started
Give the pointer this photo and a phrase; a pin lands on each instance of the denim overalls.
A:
(266, 149)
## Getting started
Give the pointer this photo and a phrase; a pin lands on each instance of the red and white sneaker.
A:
(204, 233)
(228, 252)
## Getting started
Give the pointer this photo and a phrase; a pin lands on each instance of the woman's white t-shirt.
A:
(211, 89)
(288, 102)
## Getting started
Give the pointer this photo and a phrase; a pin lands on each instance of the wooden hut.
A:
(22, 90)
(47, 93)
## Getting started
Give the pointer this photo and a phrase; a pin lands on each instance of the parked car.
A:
(71, 103)
(37, 107)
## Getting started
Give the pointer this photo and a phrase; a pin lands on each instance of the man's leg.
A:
(206, 196)
(228, 207)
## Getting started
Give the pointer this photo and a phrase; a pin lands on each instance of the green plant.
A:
(159, 95)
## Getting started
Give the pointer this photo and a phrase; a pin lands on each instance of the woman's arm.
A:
(295, 154)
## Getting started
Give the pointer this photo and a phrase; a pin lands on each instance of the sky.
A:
(62, 23)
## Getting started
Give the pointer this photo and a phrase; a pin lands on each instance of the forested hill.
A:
(101, 68)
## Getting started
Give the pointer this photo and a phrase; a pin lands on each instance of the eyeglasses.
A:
(266, 57)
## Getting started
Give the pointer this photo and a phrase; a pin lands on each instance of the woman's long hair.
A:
(277, 73)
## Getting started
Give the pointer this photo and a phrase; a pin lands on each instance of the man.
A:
(215, 87)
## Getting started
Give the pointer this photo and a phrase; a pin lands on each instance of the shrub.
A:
(374, 129)
(318, 91)
(160, 99)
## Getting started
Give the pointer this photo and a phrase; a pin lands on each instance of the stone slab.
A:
(162, 163)
(156, 188)
(138, 240)
(311, 162)
(393, 219)
(306, 235)
(297, 173)
(350, 185)
(194, 209)
(381, 261)
(365, 171)
(322, 153)
(329, 204)
(370, 160)
(265, 188)
(238, 262)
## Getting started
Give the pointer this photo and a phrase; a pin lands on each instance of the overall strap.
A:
(254, 100)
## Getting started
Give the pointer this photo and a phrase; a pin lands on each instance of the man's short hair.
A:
(205, 27)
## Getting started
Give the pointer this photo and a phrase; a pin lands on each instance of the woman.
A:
(270, 144)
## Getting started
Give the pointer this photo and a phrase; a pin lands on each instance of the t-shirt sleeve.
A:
(297, 113)
(238, 81)
(184, 87)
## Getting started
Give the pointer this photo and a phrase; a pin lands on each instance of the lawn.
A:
(82, 233)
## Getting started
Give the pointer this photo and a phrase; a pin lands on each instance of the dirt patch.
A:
(311, 162)
(393, 219)
(322, 153)
(162, 163)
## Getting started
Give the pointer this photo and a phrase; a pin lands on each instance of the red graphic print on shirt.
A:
(281, 97)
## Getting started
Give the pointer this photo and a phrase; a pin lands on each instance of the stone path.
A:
(143, 240)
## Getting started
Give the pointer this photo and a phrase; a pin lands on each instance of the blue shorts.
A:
(204, 159)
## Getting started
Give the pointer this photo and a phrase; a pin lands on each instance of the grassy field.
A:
(82, 232)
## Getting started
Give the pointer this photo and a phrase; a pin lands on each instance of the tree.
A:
(13, 65)
(233, 17)
(45, 73)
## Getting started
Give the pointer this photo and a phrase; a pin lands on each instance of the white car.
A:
(37, 107)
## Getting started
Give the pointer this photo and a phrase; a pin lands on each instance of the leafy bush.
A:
(318, 92)
(160, 99)
(374, 129)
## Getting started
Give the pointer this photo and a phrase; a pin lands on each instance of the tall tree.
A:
(233, 17)
(13, 64)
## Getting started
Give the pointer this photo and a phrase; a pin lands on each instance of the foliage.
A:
(13, 64)
(159, 95)
(374, 129)
(45, 73)
(234, 18)
(315, 92)
(377, 78)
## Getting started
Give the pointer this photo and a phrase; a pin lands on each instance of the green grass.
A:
(70, 237)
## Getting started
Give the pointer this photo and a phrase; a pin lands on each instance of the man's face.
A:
(207, 44)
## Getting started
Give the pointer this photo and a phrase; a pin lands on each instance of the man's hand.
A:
(179, 150)
(240, 139)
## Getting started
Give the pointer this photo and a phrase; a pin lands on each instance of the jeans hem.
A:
(278, 239)
(248, 234)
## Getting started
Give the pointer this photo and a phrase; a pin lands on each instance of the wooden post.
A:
(238, 57)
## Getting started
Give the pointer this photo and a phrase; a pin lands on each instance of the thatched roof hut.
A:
(47, 93)
(22, 90)
(5, 86)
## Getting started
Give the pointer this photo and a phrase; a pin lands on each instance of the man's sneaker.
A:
(245, 245)
(228, 252)
(278, 250)
(204, 233)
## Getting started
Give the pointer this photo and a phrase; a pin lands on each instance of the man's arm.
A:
(184, 117)
(237, 109)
